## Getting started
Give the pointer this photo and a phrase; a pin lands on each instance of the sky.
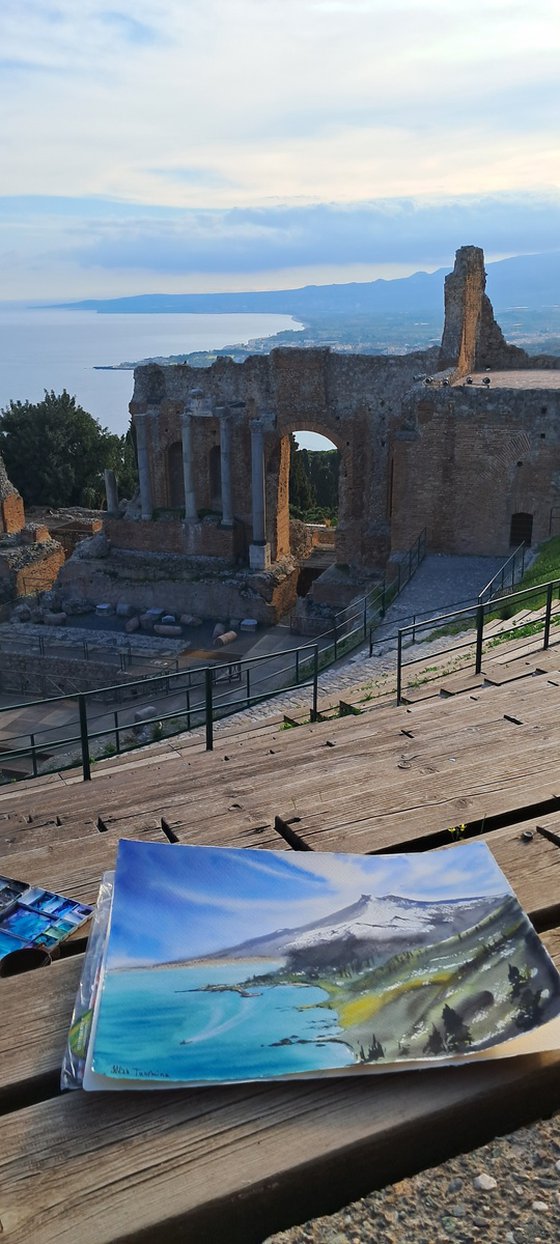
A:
(202, 145)
(181, 902)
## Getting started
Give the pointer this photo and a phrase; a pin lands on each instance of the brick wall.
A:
(12, 516)
(473, 459)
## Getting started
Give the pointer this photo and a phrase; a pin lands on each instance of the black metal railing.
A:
(510, 573)
(476, 615)
(202, 695)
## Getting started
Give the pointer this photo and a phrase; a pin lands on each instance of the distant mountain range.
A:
(530, 281)
(371, 924)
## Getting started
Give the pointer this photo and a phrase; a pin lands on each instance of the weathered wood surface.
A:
(234, 1164)
(231, 1163)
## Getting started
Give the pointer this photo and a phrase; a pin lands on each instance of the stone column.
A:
(225, 467)
(141, 423)
(191, 512)
(259, 551)
(111, 492)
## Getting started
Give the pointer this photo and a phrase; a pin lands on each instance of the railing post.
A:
(314, 710)
(479, 634)
(117, 732)
(248, 687)
(399, 666)
(546, 638)
(297, 667)
(414, 628)
(84, 737)
(188, 695)
(209, 709)
(33, 754)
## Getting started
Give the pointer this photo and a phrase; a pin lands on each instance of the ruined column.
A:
(111, 492)
(259, 551)
(225, 467)
(143, 447)
(191, 511)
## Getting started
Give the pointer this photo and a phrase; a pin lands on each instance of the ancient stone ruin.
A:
(464, 441)
(29, 558)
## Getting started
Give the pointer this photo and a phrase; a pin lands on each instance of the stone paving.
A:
(440, 584)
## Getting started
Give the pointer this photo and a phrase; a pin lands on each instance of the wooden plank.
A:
(233, 1164)
(36, 1011)
(367, 828)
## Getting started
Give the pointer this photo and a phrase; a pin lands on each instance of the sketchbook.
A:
(32, 918)
(226, 965)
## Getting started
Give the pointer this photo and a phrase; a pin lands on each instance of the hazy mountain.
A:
(371, 923)
(525, 280)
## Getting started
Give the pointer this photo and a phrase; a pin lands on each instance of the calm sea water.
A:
(52, 349)
(154, 1024)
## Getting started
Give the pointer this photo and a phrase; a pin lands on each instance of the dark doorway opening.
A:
(521, 529)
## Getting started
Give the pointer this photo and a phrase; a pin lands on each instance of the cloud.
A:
(246, 240)
(213, 106)
(129, 28)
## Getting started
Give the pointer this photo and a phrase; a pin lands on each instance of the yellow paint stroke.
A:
(362, 1009)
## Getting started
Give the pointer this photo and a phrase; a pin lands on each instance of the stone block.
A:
(219, 629)
(123, 609)
(169, 619)
(172, 632)
(77, 605)
(227, 638)
(55, 619)
(132, 625)
(154, 614)
(22, 613)
(249, 625)
(147, 622)
(104, 611)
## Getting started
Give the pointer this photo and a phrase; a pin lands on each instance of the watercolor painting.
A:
(226, 965)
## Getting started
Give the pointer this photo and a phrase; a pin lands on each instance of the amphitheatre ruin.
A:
(462, 440)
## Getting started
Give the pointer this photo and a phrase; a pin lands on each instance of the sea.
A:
(164, 1024)
(51, 348)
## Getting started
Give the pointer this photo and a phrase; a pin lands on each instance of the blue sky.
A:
(227, 144)
(174, 902)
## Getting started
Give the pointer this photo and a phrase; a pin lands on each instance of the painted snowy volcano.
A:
(385, 920)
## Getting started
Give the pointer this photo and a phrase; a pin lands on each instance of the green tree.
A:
(55, 452)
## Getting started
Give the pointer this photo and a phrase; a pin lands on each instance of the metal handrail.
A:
(502, 571)
(307, 660)
(479, 611)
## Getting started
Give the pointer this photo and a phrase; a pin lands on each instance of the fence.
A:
(121, 655)
(200, 696)
(475, 616)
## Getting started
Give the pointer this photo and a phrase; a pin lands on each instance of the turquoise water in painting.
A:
(159, 1024)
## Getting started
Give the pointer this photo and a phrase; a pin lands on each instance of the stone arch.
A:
(280, 510)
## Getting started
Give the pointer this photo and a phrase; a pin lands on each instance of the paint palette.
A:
(33, 917)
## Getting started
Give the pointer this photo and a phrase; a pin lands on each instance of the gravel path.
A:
(507, 1192)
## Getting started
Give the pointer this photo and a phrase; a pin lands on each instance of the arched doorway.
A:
(313, 504)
